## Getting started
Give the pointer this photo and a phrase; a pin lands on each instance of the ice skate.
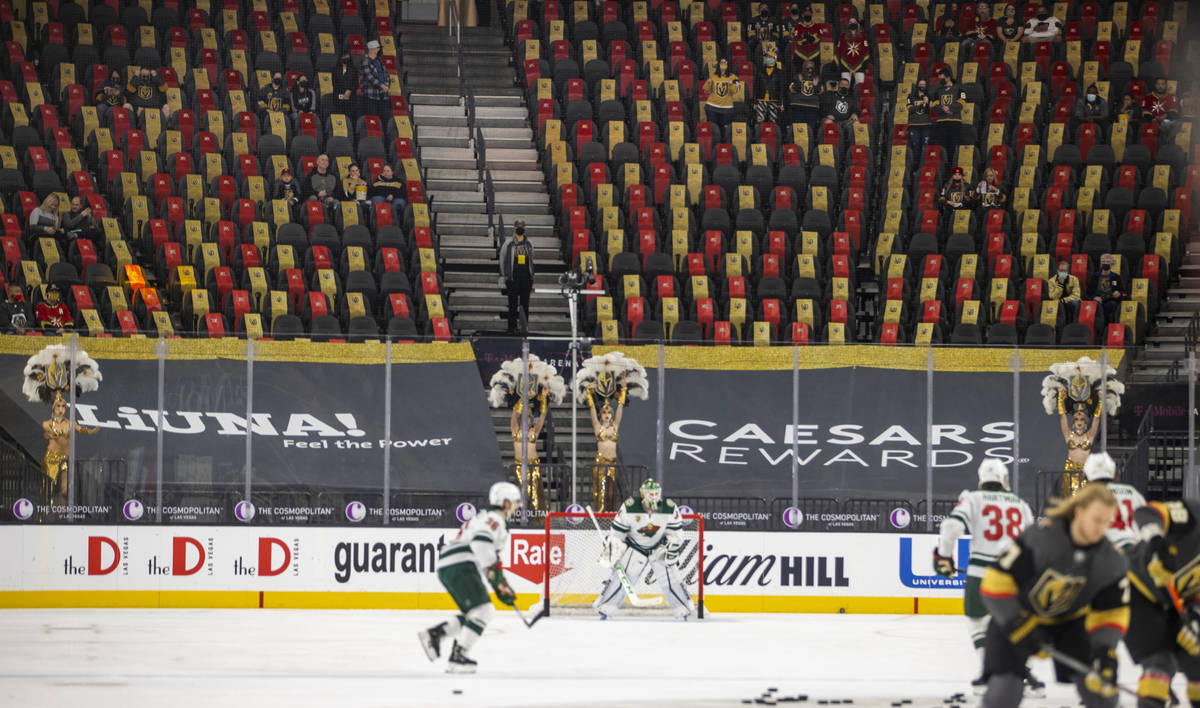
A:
(459, 662)
(431, 640)
(1033, 687)
(979, 685)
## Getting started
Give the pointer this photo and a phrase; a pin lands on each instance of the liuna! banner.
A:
(318, 421)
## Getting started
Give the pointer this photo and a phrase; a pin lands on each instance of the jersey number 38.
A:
(1002, 522)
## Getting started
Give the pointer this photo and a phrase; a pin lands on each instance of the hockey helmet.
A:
(502, 492)
(1099, 467)
(993, 470)
(651, 493)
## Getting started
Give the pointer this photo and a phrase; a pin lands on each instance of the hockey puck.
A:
(457, 691)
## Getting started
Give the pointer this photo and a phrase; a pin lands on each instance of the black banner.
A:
(1169, 401)
(861, 434)
(318, 425)
(491, 352)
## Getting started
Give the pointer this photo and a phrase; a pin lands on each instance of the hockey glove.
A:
(943, 565)
(613, 548)
(673, 553)
(1188, 637)
(1030, 641)
(1102, 679)
(504, 591)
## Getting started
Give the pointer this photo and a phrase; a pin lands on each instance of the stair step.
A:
(483, 279)
(435, 99)
(507, 179)
(448, 158)
(427, 113)
(499, 96)
(526, 160)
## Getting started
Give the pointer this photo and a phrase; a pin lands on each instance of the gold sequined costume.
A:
(604, 481)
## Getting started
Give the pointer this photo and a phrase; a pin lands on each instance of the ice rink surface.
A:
(177, 658)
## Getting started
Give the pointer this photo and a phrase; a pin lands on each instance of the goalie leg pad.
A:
(612, 596)
(670, 582)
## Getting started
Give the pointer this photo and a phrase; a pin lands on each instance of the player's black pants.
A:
(1003, 657)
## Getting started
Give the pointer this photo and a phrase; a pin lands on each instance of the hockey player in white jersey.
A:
(646, 531)
(475, 550)
(1099, 468)
(993, 516)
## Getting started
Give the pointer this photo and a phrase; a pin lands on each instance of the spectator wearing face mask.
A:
(722, 88)
(853, 52)
(946, 113)
(1110, 290)
(804, 97)
(304, 99)
(15, 313)
(111, 95)
(1064, 287)
(345, 84)
(840, 105)
(1044, 27)
(275, 97)
(920, 124)
(955, 193)
(516, 273)
(768, 84)
(764, 28)
(806, 37)
(1091, 107)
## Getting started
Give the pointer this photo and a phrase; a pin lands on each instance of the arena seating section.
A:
(192, 243)
(768, 234)
(763, 235)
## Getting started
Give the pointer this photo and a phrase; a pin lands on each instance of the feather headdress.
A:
(48, 374)
(1081, 380)
(606, 371)
(505, 386)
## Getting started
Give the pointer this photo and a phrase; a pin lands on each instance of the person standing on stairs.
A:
(516, 274)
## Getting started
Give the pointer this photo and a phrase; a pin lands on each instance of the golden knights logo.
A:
(145, 92)
(808, 87)
(1054, 592)
(723, 88)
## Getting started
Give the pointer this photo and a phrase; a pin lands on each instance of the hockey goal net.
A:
(575, 575)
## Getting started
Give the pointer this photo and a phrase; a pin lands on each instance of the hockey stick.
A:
(1083, 669)
(634, 599)
(530, 622)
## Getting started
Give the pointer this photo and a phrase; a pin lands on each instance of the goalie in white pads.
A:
(646, 531)
(1100, 469)
(475, 550)
(993, 516)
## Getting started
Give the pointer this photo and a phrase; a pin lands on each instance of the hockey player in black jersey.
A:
(1060, 584)
(1164, 627)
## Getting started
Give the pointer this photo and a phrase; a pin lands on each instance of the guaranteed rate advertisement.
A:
(206, 566)
(862, 426)
(318, 429)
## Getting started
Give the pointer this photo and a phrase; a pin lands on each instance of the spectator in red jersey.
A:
(853, 53)
(52, 315)
(1161, 107)
(980, 30)
(806, 38)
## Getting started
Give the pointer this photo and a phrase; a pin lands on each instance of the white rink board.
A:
(402, 560)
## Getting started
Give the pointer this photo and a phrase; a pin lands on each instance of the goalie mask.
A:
(1100, 467)
(992, 470)
(651, 495)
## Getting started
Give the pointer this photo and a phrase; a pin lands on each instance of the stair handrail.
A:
(489, 200)
(454, 27)
(1189, 337)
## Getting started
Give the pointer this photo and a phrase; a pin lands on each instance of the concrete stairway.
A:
(450, 156)
(1165, 345)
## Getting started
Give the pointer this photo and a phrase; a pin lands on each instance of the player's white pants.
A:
(666, 576)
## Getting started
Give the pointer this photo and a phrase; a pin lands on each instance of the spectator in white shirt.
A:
(1045, 27)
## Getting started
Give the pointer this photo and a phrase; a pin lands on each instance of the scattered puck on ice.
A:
(772, 689)
(457, 691)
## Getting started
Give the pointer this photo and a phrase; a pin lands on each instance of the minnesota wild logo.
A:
(649, 529)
